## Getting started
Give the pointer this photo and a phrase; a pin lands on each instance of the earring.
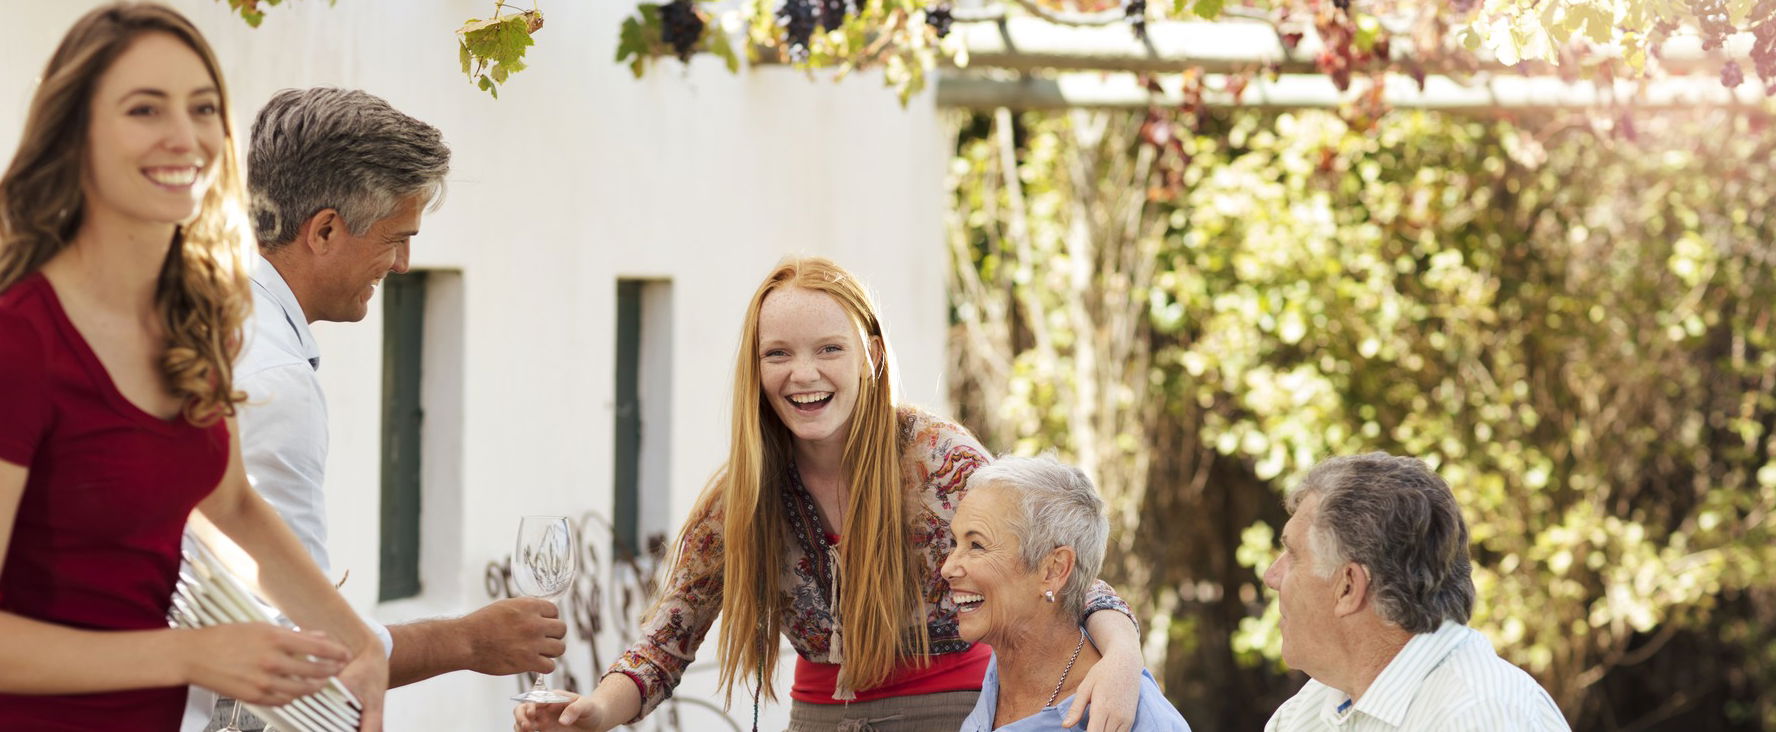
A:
(1049, 595)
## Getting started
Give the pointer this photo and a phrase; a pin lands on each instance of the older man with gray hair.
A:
(1375, 594)
(338, 181)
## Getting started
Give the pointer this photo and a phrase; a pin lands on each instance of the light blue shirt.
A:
(1152, 713)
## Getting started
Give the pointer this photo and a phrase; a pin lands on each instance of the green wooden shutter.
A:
(625, 518)
(403, 331)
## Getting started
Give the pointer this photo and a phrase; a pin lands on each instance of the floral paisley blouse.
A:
(937, 457)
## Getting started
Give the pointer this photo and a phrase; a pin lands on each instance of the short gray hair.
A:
(1057, 506)
(1399, 520)
(321, 148)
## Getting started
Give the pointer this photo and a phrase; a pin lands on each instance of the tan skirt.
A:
(918, 713)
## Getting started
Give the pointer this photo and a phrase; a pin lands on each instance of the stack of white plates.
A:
(209, 595)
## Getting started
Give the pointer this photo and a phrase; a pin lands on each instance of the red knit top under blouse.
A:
(95, 542)
(814, 681)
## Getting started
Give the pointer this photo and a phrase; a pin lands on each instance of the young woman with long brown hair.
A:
(122, 292)
(827, 526)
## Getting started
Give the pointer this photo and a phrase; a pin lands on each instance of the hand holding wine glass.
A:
(543, 566)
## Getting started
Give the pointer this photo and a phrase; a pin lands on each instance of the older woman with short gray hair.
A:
(1030, 536)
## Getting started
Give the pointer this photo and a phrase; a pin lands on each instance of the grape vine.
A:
(1136, 13)
(939, 18)
(681, 26)
(797, 18)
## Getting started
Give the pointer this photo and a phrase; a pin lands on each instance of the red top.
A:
(946, 672)
(95, 543)
(814, 682)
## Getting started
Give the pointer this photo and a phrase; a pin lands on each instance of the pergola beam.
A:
(1022, 43)
(1495, 93)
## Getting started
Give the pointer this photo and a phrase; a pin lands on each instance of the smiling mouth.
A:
(173, 177)
(967, 602)
(811, 401)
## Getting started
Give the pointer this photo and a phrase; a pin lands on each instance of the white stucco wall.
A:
(576, 176)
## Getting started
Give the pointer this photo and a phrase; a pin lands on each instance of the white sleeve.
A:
(382, 634)
(283, 428)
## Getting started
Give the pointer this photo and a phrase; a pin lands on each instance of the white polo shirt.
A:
(283, 427)
(1450, 680)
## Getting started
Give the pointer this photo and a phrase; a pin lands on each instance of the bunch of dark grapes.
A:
(832, 14)
(1761, 12)
(1461, 7)
(939, 18)
(1763, 52)
(797, 19)
(1731, 75)
(1712, 21)
(1136, 14)
(681, 27)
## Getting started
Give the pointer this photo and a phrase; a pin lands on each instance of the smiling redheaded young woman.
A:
(826, 526)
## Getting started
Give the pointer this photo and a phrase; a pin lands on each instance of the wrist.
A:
(442, 644)
(175, 646)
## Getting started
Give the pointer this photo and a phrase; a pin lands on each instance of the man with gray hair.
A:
(1375, 594)
(338, 181)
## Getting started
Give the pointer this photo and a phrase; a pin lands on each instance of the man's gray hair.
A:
(321, 148)
(1398, 519)
(1057, 506)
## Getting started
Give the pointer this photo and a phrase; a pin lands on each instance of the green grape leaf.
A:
(630, 41)
(1208, 9)
(717, 43)
(250, 10)
(495, 47)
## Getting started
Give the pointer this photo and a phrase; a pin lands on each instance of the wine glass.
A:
(543, 567)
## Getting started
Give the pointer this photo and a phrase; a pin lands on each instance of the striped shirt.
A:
(1448, 680)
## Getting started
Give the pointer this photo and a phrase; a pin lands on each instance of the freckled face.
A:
(811, 362)
(155, 133)
(994, 592)
(1304, 598)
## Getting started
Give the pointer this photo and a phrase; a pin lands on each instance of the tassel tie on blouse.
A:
(842, 690)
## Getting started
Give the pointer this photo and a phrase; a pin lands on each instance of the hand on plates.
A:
(367, 677)
(260, 663)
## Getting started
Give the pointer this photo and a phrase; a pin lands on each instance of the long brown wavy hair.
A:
(201, 294)
(879, 597)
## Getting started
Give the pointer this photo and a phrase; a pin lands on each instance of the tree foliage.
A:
(1592, 367)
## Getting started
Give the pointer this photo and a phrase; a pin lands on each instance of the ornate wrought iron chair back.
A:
(591, 604)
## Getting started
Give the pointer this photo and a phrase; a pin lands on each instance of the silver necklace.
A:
(1069, 669)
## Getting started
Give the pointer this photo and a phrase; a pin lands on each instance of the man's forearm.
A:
(425, 649)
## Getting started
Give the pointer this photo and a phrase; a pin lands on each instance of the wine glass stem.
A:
(542, 679)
